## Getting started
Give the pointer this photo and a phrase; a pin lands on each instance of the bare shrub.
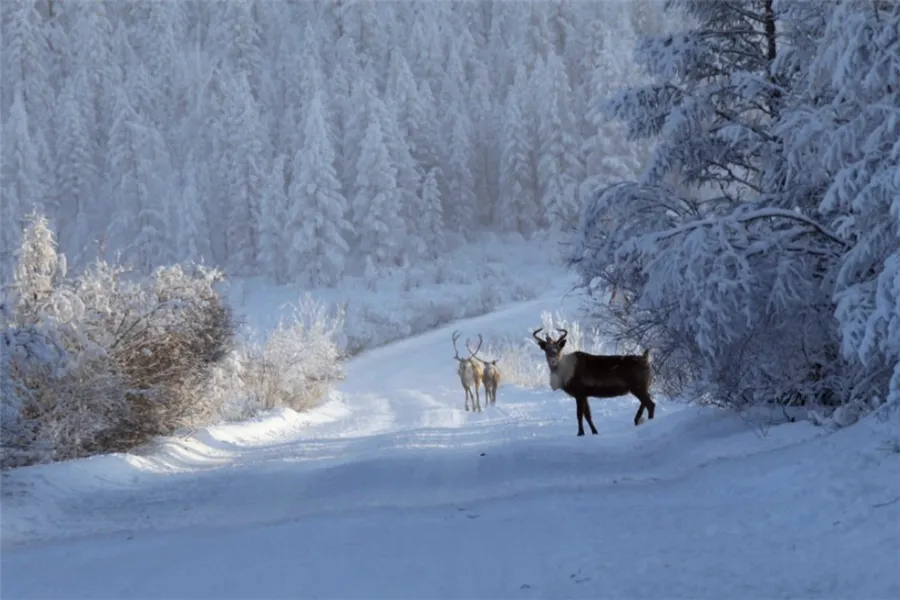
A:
(120, 360)
(297, 363)
(170, 330)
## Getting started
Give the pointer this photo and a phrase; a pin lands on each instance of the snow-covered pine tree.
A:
(94, 59)
(560, 169)
(431, 221)
(25, 57)
(156, 34)
(312, 81)
(244, 172)
(485, 143)
(141, 178)
(460, 202)
(274, 236)
(317, 189)
(23, 187)
(608, 155)
(425, 142)
(191, 229)
(408, 178)
(356, 121)
(376, 206)
(342, 111)
(536, 39)
(426, 45)
(77, 175)
(518, 200)
(235, 32)
(366, 22)
(39, 267)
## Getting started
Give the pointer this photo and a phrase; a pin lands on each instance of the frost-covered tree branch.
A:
(782, 287)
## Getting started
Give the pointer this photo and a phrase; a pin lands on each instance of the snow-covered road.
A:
(392, 490)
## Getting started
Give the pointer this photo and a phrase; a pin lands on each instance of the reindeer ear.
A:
(561, 343)
(542, 344)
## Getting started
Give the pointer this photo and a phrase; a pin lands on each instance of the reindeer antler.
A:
(456, 335)
(564, 334)
(547, 337)
(480, 341)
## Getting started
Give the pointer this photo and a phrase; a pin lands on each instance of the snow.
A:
(391, 490)
(470, 280)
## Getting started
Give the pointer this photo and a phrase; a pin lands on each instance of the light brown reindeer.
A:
(470, 373)
(490, 374)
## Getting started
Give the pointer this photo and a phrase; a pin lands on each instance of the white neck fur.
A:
(563, 372)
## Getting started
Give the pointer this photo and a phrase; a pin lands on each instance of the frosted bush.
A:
(122, 359)
(296, 364)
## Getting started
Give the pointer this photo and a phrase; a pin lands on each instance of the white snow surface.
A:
(392, 490)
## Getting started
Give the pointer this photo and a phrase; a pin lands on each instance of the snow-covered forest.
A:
(305, 140)
(758, 252)
(308, 143)
(728, 173)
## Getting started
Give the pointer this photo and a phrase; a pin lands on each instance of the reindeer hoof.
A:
(594, 432)
(580, 433)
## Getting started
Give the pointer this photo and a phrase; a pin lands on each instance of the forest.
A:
(305, 140)
(727, 175)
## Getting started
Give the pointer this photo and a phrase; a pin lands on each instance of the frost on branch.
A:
(852, 115)
(730, 304)
(760, 257)
(103, 362)
(296, 364)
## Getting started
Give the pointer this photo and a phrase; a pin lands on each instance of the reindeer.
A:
(583, 375)
(490, 374)
(470, 374)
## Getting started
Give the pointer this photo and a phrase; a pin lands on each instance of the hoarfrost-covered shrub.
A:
(298, 361)
(102, 361)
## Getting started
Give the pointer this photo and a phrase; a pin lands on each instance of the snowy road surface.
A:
(392, 490)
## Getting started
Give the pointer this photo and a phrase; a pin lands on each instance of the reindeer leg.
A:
(467, 399)
(646, 403)
(477, 398)
(579, 409)
(587, 415)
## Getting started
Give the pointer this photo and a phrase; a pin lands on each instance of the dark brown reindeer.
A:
(583, 375)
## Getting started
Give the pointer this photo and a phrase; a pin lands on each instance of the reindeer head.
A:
(552, 349)
(472, 353)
